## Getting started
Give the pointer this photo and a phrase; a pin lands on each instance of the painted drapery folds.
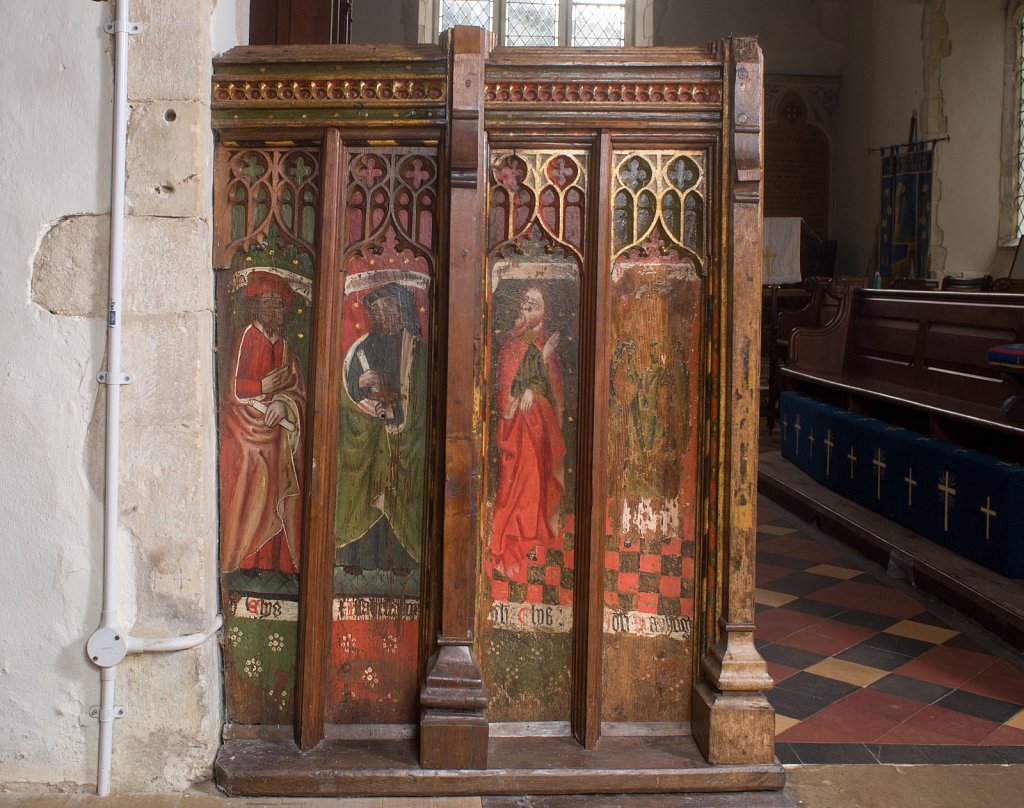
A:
(535, 234)
(265, 290)
(388, 264)
(658, 258)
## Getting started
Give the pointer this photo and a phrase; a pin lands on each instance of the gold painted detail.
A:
(383, 92)
(603, 92)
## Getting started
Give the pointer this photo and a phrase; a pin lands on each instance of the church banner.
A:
(906, 211)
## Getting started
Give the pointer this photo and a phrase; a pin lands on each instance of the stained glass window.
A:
(583, 23)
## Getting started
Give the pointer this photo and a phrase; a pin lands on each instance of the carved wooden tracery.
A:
(579, 248)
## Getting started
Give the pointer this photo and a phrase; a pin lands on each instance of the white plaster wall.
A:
(968, 166)
(378, 22)
(882, 84)
(55, 126)
(797, 36)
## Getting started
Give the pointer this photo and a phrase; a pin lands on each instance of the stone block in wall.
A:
(170, 359)
(168, 491)
(167, 158)
(171, 58)
(166, 266)
(171, 730)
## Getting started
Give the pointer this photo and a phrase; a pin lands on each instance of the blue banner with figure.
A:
(906, 211)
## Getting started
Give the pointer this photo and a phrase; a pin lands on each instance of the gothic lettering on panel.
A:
(658, 258)
(269, 216)
(390, 198)
(535, 228)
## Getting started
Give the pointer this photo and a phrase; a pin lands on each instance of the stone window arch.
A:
(1011, 224)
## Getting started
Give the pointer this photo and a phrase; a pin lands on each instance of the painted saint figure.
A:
(261, 444)
(531, 478)
(379, 516)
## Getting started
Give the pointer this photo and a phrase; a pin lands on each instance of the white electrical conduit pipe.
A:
(109, 644)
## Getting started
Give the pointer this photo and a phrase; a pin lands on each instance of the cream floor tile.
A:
(921, 631)
(784, 722)
(767, 598)
(1017, 722)
(833, 571)
(849, 672)
(775, 530)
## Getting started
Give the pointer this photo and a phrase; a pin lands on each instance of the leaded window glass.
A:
(466, 12)
(583, 23)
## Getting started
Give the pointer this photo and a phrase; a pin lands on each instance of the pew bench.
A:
(918, 359)
(896, 405)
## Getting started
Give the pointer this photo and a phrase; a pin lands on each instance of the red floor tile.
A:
(766, 573)
(869, 597)
(766, 514)
(839, 724)
(828, 637)
(780, 673)
(774, 624)
(951, 667)
(1005, 736)
(939, 722)
(1000, 680)
(886, 705)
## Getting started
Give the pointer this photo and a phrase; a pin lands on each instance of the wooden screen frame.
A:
(290, 94)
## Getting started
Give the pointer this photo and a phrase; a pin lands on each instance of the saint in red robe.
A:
(260, 466)
(531, 478)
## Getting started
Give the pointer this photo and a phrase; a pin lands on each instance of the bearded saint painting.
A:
(530, 403)
(261, 438)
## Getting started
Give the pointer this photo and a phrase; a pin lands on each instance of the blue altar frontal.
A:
(965, 500)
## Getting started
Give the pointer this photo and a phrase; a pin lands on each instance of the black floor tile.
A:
(1011, 754)
(784, 561)
(947, 754)
(914, 689)
(964, 643)
(818, 687)
(795, 705)
(898, 753)
(784, 752)
(855, 617)
(833, 753)
(762, 607)
(815, 608)
(801, 584)
(906, 646)
(874, 657)
(790, 657)
(930, 619)
(979, 706)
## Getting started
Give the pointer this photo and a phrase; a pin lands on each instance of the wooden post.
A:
(453, 726)
(317, 568)
(732, 720)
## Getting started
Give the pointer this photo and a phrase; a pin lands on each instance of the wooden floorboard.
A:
(535, 766)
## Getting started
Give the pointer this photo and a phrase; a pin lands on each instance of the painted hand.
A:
(526, 401)
(274, 381)
(275, 414)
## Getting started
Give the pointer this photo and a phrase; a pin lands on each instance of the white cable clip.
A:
(122, 378)
(127, 28)
(117, 712)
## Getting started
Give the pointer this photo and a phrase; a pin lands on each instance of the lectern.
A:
(488, 369)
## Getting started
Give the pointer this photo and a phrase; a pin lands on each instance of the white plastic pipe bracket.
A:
(122, 378)
(128, 28)
(117, 711)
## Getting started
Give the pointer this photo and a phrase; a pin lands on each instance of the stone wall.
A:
(57, 131)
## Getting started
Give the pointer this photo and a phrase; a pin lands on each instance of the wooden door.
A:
(511, 292)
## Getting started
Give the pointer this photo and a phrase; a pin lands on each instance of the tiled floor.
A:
(869, 671)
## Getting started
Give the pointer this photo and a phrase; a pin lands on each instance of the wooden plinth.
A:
(361, 768)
